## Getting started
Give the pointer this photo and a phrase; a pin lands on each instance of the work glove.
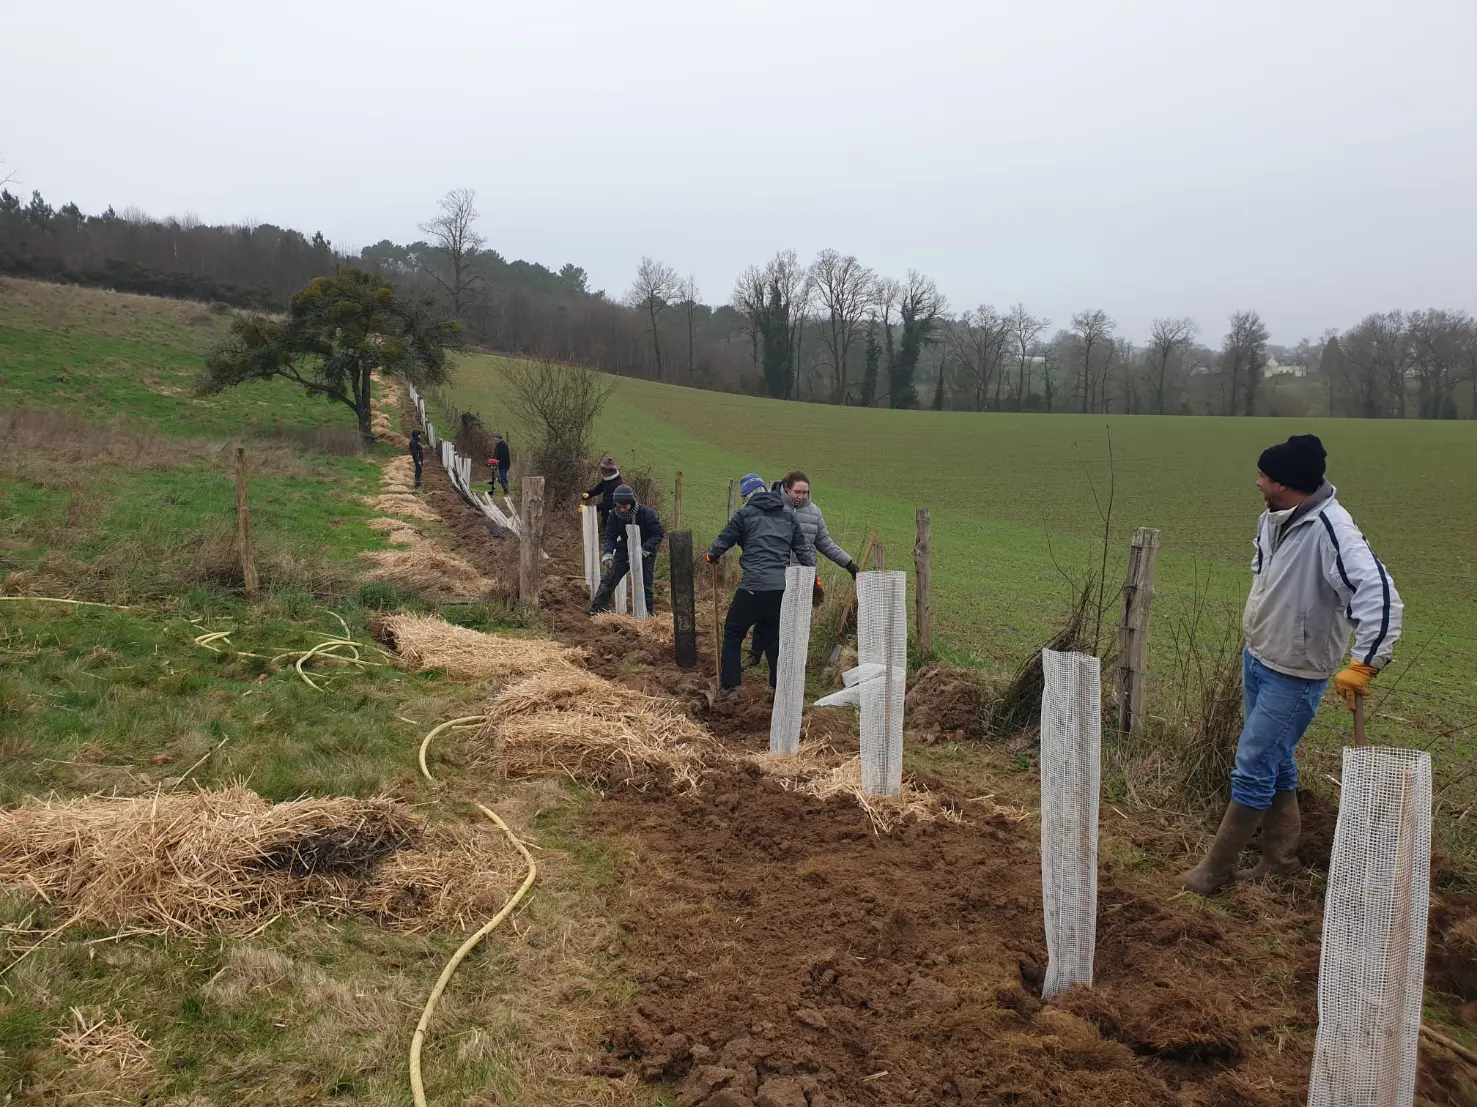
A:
(853, 568)
(710, 559)
(1354, 681)
(817, 594)
(607, 560)
(585, 496)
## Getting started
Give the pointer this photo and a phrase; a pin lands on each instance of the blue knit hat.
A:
(750, 484)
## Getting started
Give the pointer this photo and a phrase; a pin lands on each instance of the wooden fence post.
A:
(677, 505)
(243, 526)
(1133, 632)
(923, 606)
(531, 541)
(684, 603)
(729, 513)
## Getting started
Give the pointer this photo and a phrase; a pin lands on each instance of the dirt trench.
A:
(788, 955)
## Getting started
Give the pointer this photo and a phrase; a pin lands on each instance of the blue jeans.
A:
(1278, 709)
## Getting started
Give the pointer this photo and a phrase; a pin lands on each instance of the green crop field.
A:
(1015, 503)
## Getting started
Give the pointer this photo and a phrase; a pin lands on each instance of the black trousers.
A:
(619, 568)
(418, 465)
(761, 612)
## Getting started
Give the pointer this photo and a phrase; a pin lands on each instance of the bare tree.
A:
(919, 310)
(1025, 328)
(1091, 330)
(452, 233)
(888, 292)
(1243, 357)
(1377, 355)
(656, 285)
(977, 341)
(689, 307)
(1168, 342)
(843, 289)
(1439, 342)
(748, 303)
(9, 177)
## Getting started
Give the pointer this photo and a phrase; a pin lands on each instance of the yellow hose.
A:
(417, 1085)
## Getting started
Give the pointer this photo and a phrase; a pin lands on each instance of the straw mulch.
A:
(427, 642)
(397, 532)
(226, 861)
(816, 769)
(107, 1041)
(426, 568)
(403, 504)
(571, 721)
(399, 476)
(651, 630)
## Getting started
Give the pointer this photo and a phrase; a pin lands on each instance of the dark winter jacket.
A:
(769, 533)
(603, 494)
(501, 455)
(416, 454)
(651, 531)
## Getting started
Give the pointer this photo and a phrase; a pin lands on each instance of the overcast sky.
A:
(1312, 160)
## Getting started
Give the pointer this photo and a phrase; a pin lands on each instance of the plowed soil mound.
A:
(943, 704)
(792, 956)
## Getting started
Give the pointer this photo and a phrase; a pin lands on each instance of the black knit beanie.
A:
(1298, 463)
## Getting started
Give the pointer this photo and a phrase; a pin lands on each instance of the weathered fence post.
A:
(1133, 633)
(727, 515)
(923, 606)
(243, 526)
(531, 541)
(684, 603)
(677, 503)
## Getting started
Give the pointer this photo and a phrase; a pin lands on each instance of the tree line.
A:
(830, 330)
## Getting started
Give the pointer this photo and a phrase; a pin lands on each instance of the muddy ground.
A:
(789, 955)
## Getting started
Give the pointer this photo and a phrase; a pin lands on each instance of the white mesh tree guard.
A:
(789, 693)
(637, 575)
(1371, 972)
(882, 639)
(590, 527)
(1071, 775)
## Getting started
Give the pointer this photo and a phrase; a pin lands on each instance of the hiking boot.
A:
(728, 695)
(1280, 832)
(1219, 867)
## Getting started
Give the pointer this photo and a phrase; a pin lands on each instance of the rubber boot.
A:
(1280, 832)
(1219, 867)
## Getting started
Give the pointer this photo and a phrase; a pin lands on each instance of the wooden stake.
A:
(684, 604)
(677, 504)
(1133, 629)
(923, 606)
(729, 513)
(243, 526)
(1358, 720)
(531, 540)
(717, 630)
(880, 554)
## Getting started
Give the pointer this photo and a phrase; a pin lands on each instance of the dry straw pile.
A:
(817, 769)
(572, 721)
(658, 631)
(427, 642)
(225, 861)
(421, 566)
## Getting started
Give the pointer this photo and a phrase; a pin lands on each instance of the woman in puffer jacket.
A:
(794, 489)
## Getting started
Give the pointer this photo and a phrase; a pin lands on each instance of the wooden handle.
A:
(1358, 720)
(717, 628)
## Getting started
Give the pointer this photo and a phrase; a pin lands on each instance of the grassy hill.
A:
(1016, 500)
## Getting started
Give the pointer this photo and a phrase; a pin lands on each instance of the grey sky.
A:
(1312, 160)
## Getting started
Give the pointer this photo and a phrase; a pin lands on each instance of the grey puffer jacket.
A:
(813, 523)
(769, 533)
(1315, 581)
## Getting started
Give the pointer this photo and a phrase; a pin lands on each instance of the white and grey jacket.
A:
(813, 523)
(1314, 579)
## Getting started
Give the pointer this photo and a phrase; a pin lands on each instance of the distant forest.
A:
(829, 330)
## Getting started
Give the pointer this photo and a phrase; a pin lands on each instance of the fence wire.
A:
(882, 639)
(1071, 776)
(1371, 971)
(789, 694)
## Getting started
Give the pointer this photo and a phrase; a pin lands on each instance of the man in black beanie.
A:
(1314, 580)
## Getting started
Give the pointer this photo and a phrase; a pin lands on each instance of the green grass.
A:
(1015, 518)
(116, 486)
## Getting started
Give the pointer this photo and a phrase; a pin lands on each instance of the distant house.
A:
(1275, 368)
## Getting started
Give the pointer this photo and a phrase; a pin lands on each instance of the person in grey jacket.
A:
(770, 535)
(794, 489)
(1315, 580)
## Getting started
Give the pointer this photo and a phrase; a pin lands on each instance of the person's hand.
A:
(818, 593)
(1354, 681)
(607, 560)
(709, 558)
(585, 496)
(853, 568)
